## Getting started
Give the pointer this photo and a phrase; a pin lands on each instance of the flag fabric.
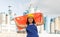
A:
(21, 20)
(38, 17)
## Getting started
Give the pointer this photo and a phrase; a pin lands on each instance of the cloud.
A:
(50, 7)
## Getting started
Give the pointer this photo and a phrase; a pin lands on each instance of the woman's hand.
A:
(39, 24)
(22, 26)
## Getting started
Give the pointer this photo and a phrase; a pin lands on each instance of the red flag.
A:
(38, 17)
(21, 20)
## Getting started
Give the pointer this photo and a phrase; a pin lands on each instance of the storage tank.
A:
(47, 24)
(57, 24)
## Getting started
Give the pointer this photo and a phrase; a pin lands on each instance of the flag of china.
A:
(38, 17)
(21, 20)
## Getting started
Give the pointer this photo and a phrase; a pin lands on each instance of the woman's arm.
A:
(22, 26)
(39, 23)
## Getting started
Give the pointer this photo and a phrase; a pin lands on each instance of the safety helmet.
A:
(30, 15)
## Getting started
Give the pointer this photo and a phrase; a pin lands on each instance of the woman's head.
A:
(30, 20)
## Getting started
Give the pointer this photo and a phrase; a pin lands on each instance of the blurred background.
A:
(9, 9)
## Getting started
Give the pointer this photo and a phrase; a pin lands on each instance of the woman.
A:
(31, 28)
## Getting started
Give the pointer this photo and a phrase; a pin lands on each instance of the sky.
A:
(48, 7)
(18, 6)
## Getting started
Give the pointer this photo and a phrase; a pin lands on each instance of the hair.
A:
(28, 21)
